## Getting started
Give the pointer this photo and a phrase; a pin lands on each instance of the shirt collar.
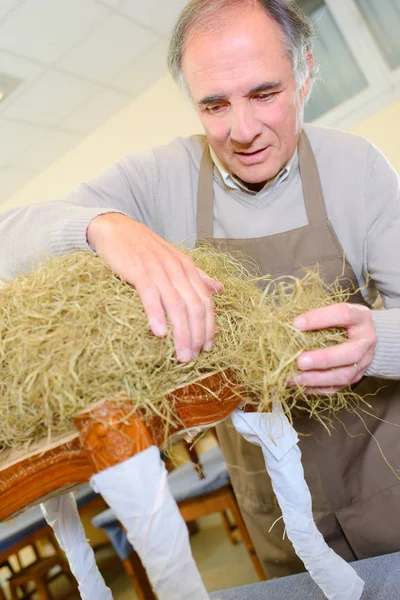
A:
(234, 183)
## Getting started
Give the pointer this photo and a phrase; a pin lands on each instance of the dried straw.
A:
(72, 333)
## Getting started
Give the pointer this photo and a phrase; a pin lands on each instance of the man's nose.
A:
(245, 126)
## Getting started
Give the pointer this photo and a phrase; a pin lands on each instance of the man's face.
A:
(242, 83)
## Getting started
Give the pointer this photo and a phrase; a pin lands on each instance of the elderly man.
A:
(289, 196)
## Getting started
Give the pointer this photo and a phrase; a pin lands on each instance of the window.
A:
(383, 18)
(358, 51)
(340, 77)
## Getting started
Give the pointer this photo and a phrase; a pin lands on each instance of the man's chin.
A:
(256, 173)
(252, 177)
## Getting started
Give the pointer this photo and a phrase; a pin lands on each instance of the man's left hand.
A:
(331, 369)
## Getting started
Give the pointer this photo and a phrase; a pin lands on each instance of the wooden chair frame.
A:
(109, 433)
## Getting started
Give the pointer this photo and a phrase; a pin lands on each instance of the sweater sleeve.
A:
(30, 233)
(382, 245)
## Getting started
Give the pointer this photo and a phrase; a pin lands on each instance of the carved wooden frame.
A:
(109, 433)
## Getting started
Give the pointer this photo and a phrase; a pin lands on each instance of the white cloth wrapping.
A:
(137, 491)
(62, 515)
(278, 441)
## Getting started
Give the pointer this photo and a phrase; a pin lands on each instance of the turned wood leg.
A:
(13, 591)
(229, 528)
(42, 589)
(234, 508)
(138, 576)
(193, 527)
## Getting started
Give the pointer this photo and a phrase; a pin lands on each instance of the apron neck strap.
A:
(205, 197)
(310, 180)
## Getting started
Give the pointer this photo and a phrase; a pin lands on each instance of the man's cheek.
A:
(218, 131)
(280, 114)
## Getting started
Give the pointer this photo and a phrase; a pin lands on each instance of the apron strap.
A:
(205, 197)
(310, 180)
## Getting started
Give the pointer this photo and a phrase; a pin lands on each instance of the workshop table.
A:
(381, 575)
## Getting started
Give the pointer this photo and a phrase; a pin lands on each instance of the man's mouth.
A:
(255, 157)
(253, 153)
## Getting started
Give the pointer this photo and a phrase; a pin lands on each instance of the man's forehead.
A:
(239, 54)
(241, 79)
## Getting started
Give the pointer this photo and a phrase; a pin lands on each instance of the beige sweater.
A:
(159, 188)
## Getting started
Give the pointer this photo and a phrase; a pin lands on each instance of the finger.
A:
(337, 315)
(323, 391)
(151, 300)
(150, 297)
(213, 285)
(175, 308)
(172, 304)
(340, 378)
(204, 294)
(346, 353)
(195, 309)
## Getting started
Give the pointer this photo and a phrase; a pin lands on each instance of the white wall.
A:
(156, 117)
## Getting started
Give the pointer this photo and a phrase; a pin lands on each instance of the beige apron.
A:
(356, 497)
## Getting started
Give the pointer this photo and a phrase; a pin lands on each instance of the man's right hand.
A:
(168, 282)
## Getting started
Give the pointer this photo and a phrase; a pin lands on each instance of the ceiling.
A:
(79, 62)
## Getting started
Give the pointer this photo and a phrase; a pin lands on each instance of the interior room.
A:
(84, 89)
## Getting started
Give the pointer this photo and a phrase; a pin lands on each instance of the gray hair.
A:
(297, 29)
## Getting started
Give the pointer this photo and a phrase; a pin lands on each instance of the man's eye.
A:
(215, 108)
(264, 96)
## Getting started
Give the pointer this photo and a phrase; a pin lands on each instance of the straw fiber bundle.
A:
(72, 333)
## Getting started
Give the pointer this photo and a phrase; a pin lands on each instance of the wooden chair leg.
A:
(17, 556)
(51, 536)
(138, 576)
(71, 578)
(193, 527)
(36, 551)
(42, 589)
(229, 528)
(13, 592)
(234, 508)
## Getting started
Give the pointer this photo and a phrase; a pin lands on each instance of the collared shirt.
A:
(234, 183)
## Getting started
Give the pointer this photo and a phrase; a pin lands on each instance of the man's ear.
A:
(310, 64)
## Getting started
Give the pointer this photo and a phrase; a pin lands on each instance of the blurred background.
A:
(83, 82)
